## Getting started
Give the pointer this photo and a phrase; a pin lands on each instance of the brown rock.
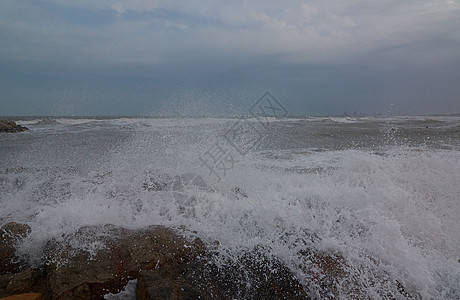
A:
(74, 274)
(253, 276)
(331, 276)
(159, 246)
(325, 271)
(23, 282)
(167, 266)
(10, 126)
(29, 296)
(4, 280)
(10, 235)
(166, 283)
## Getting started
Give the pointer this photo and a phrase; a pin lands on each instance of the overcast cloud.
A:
(192, 57)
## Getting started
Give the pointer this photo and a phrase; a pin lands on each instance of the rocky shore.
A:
(10, 126)
(166, 264)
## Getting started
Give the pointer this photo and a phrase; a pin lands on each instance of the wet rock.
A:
(28, 281)
(4, 280)
(268, 278)
(331, 276)
(10, 126)
(166, 264)
(166, 283)
(325, 272)
(97, 260)
(158, 246)
(24, 282)
(28, 296)
(10, 235)
(252, 276)
(119, 256)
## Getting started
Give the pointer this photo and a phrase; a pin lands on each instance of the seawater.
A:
(383, 193)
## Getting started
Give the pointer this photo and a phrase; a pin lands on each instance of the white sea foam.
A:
(398, 206)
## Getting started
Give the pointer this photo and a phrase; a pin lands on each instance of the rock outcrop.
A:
(10, 126)
(252, 276)
(10, 235)
(122, 254)
(97, 260)
(15, 276)
(167, 266)
(30, 280)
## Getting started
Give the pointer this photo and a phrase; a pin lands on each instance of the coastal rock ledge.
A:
(97, 260)
(10, 126)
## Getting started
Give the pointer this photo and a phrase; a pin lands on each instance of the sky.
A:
(200, 58)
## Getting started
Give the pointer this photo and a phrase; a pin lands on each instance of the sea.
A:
(383, 193)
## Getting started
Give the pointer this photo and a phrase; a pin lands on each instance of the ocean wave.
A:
(389, 210)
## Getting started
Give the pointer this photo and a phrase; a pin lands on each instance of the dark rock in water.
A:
(330, 276)
(325, 272)
(97, 260)
(10, 126)
(84, 275)
(4, 280)
(166, 283)
(252, 276)
(166, 264)
(268, 278)
(10, 283)
(27, 281)
(10, 235)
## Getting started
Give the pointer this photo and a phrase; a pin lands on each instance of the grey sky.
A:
(138, 57)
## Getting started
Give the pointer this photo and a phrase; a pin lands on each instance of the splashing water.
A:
(383, 199)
